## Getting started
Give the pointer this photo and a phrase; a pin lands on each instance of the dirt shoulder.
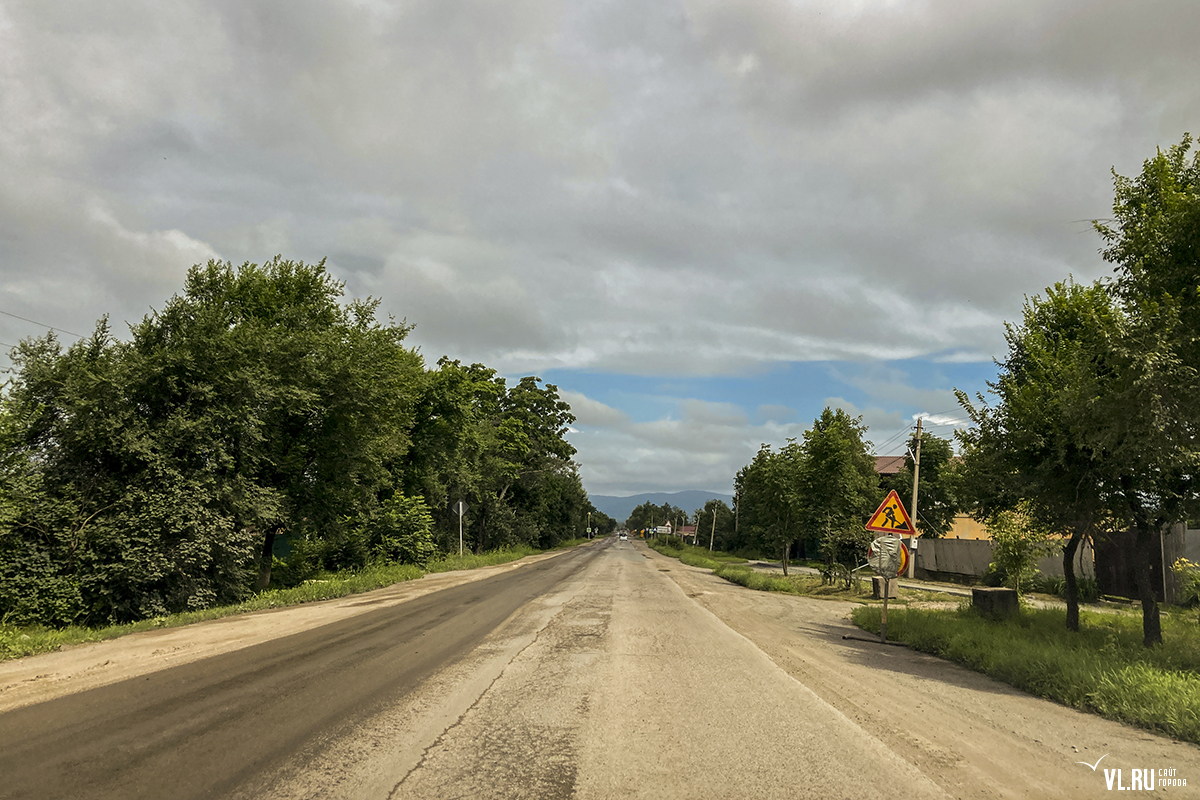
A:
(34, 679)
(974, 736)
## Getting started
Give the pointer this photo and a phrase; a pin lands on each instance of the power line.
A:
(893, 438)
(44, 325)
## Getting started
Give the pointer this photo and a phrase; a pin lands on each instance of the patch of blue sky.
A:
(904, 387)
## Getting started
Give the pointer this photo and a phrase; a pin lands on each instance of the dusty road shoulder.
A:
(974, 736)
(33, 679)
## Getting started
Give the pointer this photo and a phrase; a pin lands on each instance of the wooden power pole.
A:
(912, 557)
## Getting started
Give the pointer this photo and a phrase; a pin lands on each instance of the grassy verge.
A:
(26, 641)
(475, 561)
(735, 570)
(1102, 669)
(691, 555)
(807, 585)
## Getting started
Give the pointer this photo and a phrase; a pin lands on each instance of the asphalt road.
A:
(212, 728)
(606, 671)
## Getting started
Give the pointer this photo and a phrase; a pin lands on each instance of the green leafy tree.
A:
(715, 522)
(1036, 448)
(310, 400)
(125, 525)
(1098, 420)
(1017, 544)
(254, 403)
(154, 475)
(648, 515)
(769, 500)
(838, 486)
(1151, 430)
(603, 523)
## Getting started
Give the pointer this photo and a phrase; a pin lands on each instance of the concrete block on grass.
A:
(995, 602)
(877, 588)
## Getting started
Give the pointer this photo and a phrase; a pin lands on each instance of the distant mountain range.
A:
(619, 508)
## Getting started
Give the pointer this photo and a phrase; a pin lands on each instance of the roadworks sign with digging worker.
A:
(890, 517)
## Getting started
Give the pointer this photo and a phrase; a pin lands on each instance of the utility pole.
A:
(912, 558)
(712, 534)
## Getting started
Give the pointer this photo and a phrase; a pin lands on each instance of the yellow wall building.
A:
(966, 528)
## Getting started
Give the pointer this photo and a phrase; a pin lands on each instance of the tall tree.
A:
(1153, 430)
(769, 500)
(313, 399)
(715, 522)
(838, 485)
(1035, 449)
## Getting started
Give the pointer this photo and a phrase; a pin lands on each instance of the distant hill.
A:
(619, 508)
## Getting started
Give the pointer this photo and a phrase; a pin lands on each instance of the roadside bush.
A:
(1053, 584)
(1016, 546)
(1188, 574)
(400, 531)
(994, 575)
(1089, 589)
(846, 547)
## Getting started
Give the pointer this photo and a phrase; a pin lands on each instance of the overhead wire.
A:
(43, 324)
(892, 439)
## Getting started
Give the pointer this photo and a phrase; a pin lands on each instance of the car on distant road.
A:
(624, 537)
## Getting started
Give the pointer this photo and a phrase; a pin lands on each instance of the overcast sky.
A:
(703, 221)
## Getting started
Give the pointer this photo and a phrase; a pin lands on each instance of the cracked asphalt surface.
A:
(604, 671)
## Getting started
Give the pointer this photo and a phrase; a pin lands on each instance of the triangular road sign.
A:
(890, 517)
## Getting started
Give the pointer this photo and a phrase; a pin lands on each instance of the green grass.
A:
(16, 642)
(734, 569)
(807, 585)
(474, 561)
(691, 555)
(1102, 669)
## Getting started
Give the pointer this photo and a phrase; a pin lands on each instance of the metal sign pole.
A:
(461, 508)
(887, 589)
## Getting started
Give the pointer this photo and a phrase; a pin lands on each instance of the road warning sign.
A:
(890, 517)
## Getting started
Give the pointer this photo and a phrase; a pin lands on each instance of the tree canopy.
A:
(155, 474)
(1096, 420)
(816, 492)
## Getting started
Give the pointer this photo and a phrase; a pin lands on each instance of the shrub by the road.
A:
(1103, 668)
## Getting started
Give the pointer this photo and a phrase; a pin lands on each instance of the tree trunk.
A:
(1151, 624)
(786, 547)
(1072, 586)
(264, 563)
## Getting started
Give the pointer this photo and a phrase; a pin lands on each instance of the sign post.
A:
(461, 508)
(887, 555)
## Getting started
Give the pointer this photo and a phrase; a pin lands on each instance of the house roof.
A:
(888, 465)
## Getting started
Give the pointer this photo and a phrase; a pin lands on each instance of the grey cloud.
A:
(593, 413)
(690, 187)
